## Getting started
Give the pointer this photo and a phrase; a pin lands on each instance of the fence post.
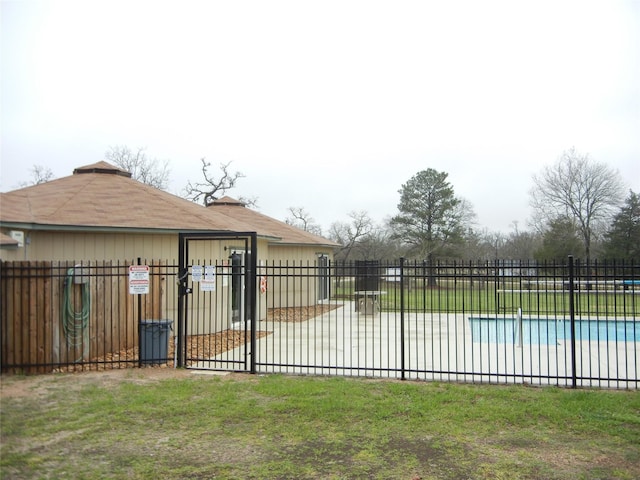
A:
(183, 274)
(252, 275)
(3, 318)
(139, 323)
(572, 317)
(402, 366)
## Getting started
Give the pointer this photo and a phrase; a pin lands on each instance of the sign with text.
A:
(208, 284)
(138, 279)
(196, 273)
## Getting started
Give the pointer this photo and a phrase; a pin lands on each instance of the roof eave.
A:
(300, 244)
(111, 229)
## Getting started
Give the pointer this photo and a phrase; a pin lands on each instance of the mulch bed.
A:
(202, 346)
(298, 314)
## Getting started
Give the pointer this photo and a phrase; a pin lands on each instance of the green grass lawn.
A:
(505, 299)
(167, 424)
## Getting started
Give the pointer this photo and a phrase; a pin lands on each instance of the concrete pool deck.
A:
(437, 347)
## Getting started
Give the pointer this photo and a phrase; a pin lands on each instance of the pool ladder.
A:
(519, 327)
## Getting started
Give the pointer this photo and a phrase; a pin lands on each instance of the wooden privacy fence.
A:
(60, 315)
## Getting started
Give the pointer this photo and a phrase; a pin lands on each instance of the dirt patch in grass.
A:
(17, 386)
(324, 458)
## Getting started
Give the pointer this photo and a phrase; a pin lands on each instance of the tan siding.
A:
(294, 261)
(98, 246)
(11, 254)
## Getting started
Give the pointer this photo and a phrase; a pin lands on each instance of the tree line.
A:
(580, 208)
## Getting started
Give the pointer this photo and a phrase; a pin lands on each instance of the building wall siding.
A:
(294, 262)
(88, 246)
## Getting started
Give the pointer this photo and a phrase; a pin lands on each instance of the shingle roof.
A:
(232, 208)
(7, 241)
(101, 196)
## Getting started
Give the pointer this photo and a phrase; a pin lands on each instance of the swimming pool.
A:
(545, 331)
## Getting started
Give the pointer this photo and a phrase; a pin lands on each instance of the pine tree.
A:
(623, 237)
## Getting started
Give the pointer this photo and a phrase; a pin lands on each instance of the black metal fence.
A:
(568, 324)
(504, 322)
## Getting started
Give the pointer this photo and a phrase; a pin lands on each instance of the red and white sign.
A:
(138, 279)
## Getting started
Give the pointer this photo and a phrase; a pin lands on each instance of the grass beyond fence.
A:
(171, 424)
(448, 297)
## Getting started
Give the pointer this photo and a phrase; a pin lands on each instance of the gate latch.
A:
(182, 283)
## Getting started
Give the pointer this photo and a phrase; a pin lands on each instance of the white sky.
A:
(326, 105)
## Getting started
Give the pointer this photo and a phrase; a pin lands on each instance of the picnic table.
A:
(368, 301)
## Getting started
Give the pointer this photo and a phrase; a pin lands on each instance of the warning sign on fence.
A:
(209, 282)
(138, 279)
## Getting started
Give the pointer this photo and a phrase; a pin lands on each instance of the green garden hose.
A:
(75, 322)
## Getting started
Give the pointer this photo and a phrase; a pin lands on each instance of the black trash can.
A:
(154, 341)
(367, 275)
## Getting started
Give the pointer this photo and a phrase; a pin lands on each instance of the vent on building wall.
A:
(18, 236)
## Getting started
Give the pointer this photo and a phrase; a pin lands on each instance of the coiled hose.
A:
(75, 322)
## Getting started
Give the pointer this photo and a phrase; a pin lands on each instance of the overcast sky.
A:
(326, 105)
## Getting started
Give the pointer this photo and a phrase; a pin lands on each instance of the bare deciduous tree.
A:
(40, 174)
(302, 219)
(520, 244)
(348, 234)
(378, 244)
(146, 170)
(577, 187)
(213, 188)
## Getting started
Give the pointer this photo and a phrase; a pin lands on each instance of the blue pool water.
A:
(549, 332)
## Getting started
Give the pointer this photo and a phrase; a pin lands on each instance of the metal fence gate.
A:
(217, 301)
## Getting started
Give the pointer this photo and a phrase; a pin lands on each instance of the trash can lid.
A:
(157, 322)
